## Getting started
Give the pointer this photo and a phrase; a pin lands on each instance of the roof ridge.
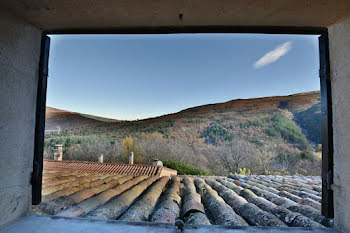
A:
(92, 162)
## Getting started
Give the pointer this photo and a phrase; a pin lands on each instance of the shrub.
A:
(310, 120)
(216, 133)
(256, 123)
(184, 168)
(288, 130)
(243, 171)
(161, 128)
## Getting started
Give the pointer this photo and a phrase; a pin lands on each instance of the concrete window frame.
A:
(325, 83)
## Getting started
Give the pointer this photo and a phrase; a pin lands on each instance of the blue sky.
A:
(130, 77)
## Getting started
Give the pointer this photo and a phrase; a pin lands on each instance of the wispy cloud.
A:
(273, 55)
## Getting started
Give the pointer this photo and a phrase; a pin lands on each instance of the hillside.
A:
(67, 120)
(273, 127)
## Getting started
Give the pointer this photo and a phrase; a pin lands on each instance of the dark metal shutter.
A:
(36, 179)
(327, 128)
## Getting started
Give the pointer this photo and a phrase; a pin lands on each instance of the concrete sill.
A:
(53, 224)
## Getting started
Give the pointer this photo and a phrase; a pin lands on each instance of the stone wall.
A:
(339, 35)
(19, 59)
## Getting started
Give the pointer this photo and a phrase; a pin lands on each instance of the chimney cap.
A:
(157, 162)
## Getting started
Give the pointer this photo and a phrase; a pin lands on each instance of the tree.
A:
(130, 146)
(236, 154)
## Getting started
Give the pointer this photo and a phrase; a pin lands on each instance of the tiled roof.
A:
(108, 168)
(238, 200)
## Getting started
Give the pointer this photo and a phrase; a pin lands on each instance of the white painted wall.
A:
(19, 59)
(339, 36)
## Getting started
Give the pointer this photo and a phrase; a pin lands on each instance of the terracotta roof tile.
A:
(138, 193)
(110, 168)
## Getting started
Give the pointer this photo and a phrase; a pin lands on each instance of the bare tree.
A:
(165, 149)
(90, 151)
(236, 154)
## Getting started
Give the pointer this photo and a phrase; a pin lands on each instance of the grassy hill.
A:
(265, 135)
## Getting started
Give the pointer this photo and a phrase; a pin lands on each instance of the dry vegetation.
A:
(273, 135)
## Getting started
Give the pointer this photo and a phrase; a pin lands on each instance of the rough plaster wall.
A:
(339, 35)
(19, 59)
(82, 14)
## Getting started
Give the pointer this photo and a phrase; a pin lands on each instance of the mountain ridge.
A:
(278, 127)
(51, 110)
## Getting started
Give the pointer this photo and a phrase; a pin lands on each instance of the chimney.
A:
(157, 162)
(100, 158)
(131, 158)
(58, 153)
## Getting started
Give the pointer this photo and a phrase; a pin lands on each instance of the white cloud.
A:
(273, 55)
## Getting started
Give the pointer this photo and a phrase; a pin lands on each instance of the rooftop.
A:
(101, 168)
(255, 200)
